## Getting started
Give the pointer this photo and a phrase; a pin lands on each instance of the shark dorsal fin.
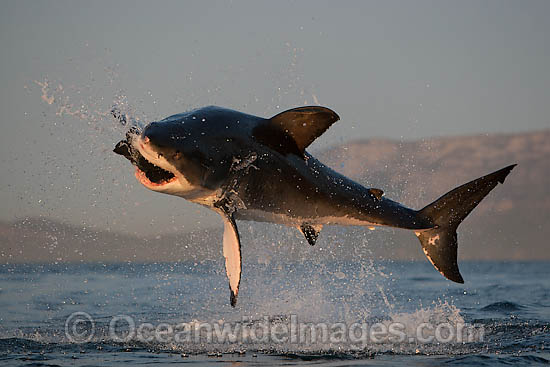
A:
(305, 124)
(294, 130)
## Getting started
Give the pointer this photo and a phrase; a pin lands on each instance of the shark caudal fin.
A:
(447, 212)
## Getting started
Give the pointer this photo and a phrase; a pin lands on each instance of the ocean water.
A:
(304, 313)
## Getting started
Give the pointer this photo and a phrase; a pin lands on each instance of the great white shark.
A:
(246, 167)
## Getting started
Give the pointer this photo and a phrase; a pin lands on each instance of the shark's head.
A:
(167, 158)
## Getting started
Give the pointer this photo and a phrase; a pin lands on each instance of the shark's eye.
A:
(177, 155)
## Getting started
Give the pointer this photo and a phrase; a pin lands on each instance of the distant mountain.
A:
(46, 240)
(511, 223)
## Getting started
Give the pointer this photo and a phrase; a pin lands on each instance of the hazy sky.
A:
(397, 69)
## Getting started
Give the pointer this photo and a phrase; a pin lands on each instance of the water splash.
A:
(91, 111)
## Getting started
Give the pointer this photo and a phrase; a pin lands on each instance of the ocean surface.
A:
(303, 313)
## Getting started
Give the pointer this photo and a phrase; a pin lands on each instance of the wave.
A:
(503, 306)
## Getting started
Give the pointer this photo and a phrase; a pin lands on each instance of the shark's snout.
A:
(155, 134)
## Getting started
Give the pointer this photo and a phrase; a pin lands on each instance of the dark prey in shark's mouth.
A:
(145, 169)
(246, 167)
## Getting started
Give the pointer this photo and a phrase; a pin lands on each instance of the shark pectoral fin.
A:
(294, 130)
(232, 254)
(311, 232)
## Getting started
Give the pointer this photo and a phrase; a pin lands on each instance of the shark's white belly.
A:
(293, 221)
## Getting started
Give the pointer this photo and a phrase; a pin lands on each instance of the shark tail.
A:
(446, 213)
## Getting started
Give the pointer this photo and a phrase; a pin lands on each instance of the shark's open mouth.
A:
(146, 172)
